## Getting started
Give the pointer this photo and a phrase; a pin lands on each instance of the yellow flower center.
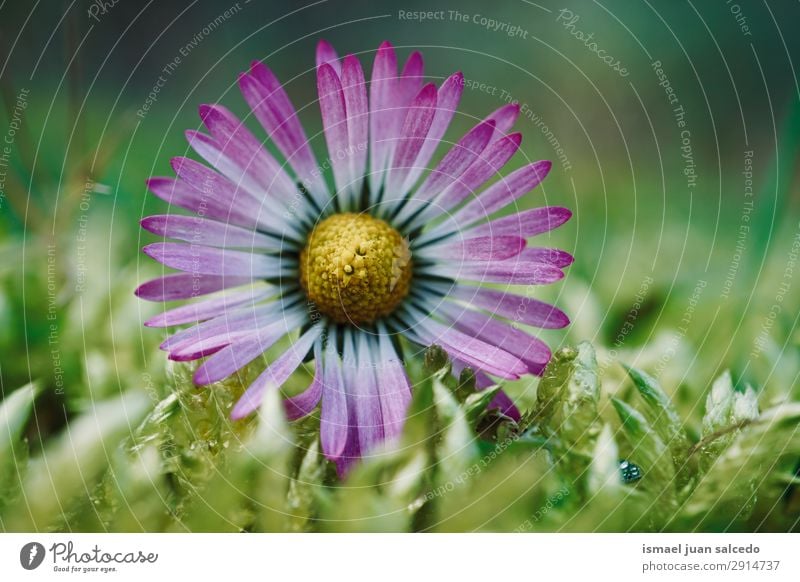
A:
(355, 267)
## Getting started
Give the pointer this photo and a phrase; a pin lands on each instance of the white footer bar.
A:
(379, 557)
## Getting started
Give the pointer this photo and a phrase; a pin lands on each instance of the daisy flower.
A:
(394, 249)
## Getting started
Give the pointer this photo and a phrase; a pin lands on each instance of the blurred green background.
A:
(685, 222)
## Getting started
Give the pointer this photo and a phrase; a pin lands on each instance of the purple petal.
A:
(212, 185)
(502, 193)
(326, 54)
(277, 373)
(334, 423)
(505, 405)
(244, 341)
(334, 121)
(210, 204)
(533, 351)
(412, 77)
(207, 308)
(504, 119)
(273, 109)
(475, 352)
(366, 397)
(525, 224)
(514, 307)
(555, 257)
(304, 403)
(500, 402)
(456, 161)
(446, 104)
(491, 161)
(357, 106)
(389, 101)
(206, 232)
(249, 317)
(511, 272)
(246, 155)
(484, 248)
(394, 387)
(202, 260)
(381, 98)
(408, 86)
(237, 355)
(412, 137)
(351, 453)
(210, 346)
(237, 170)
(186, 286)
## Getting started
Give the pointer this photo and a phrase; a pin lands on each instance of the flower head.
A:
(394, 249)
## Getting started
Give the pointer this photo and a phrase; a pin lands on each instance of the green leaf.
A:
(745, 406)
(72, 465)
(382, 493)
(306, 488)
(466, 384)
(610, 505)
(136, 487)
(436, 360)
(666, 419)
(579, 419)
(457, 447)
(719, 404)
(648, 450)
(604, 477)
(268, 457)
(663, 417)
(475, 404)
(567, 412)
(553, 385)
(14, 412)
(421, 423)
(250, 482)
(501, 491)
(743, 473)
(386, 490)
(726, 412)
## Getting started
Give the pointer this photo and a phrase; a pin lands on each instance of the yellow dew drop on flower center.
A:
(355, 267)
